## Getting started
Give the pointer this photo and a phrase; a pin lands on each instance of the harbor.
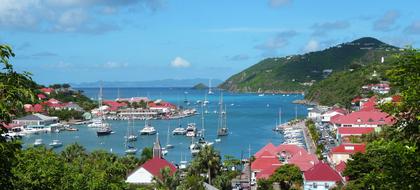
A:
(248, 116)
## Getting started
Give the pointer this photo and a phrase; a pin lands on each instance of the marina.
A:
(249, 118)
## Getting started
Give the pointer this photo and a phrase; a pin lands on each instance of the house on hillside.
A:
(320, 177)
(314, 113)
(342, 152)
(326, 117)
(345, 133)
(150, 170)
(47, 91)
(373, 118)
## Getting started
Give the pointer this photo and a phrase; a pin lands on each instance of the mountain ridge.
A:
(152, 83)
(296, 73)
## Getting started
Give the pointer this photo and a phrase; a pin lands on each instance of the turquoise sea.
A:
(250, 121)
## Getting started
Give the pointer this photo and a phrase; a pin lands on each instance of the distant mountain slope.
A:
(296, 72)
(153, 83)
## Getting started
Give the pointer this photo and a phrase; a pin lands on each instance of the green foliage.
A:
(315, 135)
(288, 176)
(8, 160)
(385, 165)
(38, 168)
(265, 184)
(392, 156)
(146, 154)
(192, 182)
(207, 161)
(341, 87)
(287, 73)
(15, 88)
(200, 86)
(66, 95)
(65, 115)
(167, 181)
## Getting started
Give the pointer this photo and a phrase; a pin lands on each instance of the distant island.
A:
(200, 86)
(152, 83)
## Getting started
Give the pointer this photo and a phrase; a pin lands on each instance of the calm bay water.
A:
(250, 122)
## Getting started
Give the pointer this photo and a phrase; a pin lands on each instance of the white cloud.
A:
(179, 62)
(245, 29)
(311, 46)
(113, 65)
(68, 15)
(387, 21)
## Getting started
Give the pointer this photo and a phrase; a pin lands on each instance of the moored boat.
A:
(38, 142)
(56, 143)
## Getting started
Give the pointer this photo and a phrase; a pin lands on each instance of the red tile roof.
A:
(47, 90)
(265, 161)
(354, 130)
(298, 156)
(154, 166)
(269, 148)
(41, 96)
(348, 149)
(321, 172)
(374, 117)
(340, 167)
(370, 105)
(266, 173)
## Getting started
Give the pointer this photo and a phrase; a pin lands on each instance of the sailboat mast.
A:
(202, 119)
(295, 112)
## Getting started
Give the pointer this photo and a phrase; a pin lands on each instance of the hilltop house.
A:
(320, 177)
(47, 91)
(150, 170)
(342, 152)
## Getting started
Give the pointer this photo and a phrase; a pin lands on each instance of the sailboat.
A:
(183, 163)
(130, 131)
(168, 144)
(210, 91)
(195, 147)
(222, 129)
(105, 128)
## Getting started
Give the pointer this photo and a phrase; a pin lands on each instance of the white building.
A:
(36, 119)
(320, 177)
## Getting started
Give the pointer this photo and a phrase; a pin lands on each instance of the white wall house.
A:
(140, 176)
(320, 177)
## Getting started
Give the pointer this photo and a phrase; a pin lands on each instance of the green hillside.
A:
(290, 73)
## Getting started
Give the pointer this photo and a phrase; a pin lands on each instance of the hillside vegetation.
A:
(291, 72)
(342, 87)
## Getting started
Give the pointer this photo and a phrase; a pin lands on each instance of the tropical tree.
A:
(167, 181)
(38, 168)
(73, 151)
(146, 154)
(15, 90)
(192, 182)
(287, 176)
(207, 161)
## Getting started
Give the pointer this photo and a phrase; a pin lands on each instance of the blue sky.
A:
(136, 40)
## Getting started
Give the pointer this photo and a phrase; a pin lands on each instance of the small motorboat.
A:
(56, 143)
(104, 131)
(179, 131)
(131, 150)
(38, 142)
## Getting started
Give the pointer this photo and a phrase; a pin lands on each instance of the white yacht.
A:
(191, 130)
(56, 143)
(131, 150)
(179, 131)
(148, 129)
(168, 144)
(31, 129)
(38, 142)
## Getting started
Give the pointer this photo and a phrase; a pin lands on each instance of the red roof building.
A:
(340, 167)
(373, 118)
(321, 175)
(267, 148)
(342, 152)
(326, 117)
(47, 90)
(150, 169)
(344, 133)
(41, 96)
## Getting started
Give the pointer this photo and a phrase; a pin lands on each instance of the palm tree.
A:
(73, 151)
(167, 180)
(210, 161)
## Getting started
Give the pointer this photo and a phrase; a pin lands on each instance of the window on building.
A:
(327, 185)
(314, 184)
